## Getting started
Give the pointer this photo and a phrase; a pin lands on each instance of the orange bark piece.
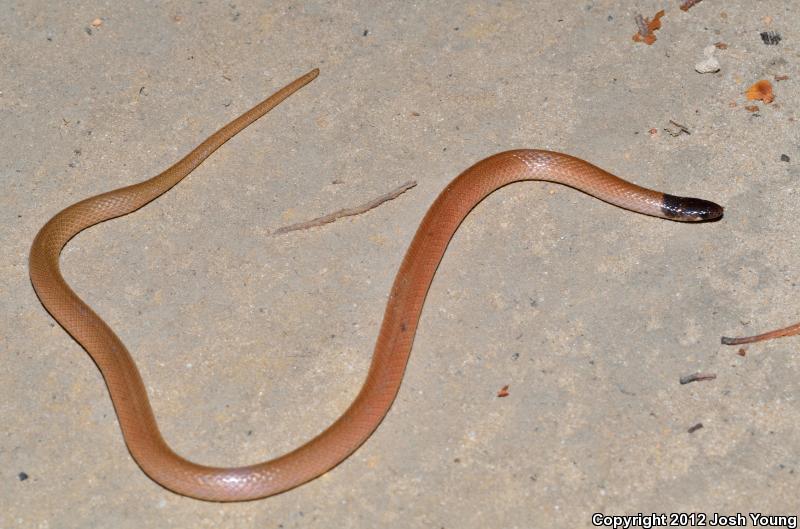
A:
(761, 91)
(688, 4)
(503, 392)
(649, 37)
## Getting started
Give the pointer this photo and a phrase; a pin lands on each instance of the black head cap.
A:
(690, 209)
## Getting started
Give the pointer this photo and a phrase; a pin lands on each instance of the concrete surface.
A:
(250, 344)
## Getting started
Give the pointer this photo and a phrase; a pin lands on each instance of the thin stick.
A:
(791, 330)
(347, 212)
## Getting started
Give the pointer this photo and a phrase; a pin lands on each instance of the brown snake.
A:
(400, 320)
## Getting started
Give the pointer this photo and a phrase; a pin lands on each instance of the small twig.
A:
(680, 129)
(791, 330)
(347, 212)
(695, 377)
(687, 4)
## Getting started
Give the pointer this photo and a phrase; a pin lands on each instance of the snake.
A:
(394, 342)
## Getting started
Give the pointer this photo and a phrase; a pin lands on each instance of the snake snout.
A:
(690, 209)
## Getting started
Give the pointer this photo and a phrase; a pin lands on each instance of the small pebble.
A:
(22, 476)
(784, 158)
(710, 64)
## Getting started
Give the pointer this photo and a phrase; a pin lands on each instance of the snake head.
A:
(689, 209)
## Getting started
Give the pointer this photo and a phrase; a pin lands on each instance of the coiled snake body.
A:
(394, 342)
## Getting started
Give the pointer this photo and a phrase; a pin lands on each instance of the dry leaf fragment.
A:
(647, 27)
(751, 108)
(761, 91)
(503, 391)
(721, 45)
(781, 77)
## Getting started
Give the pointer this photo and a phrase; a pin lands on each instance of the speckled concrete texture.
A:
(250, 343)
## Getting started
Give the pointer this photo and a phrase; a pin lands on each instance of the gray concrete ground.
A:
(250, 344)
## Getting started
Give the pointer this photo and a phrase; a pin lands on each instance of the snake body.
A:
(394, 342)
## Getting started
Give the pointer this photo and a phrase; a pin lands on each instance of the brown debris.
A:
(742, 351)
(696, 377)
(752, 108)
(695, 427)
(647, 27)
(347, 212)
(503, 391)
(687, 4)
(781, 77)
(770, 38)
(721, 45)
(761, 91)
